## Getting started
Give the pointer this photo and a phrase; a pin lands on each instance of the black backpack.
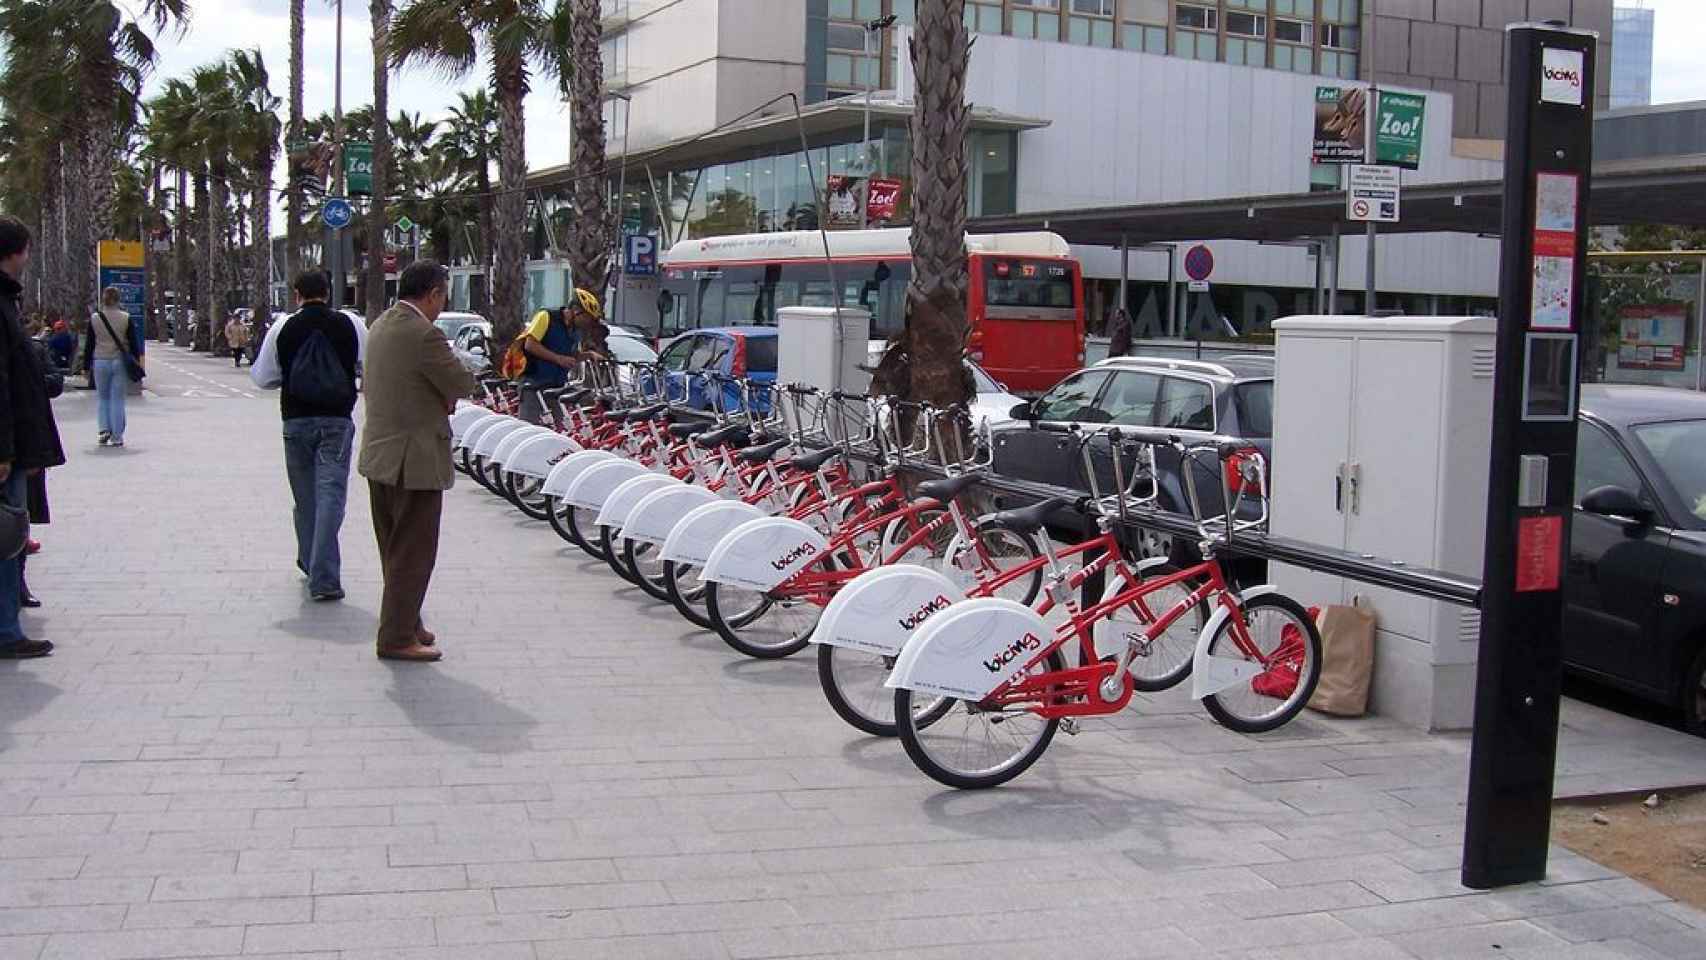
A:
(317, 375)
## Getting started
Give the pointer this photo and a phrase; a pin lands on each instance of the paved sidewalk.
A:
(211, 765)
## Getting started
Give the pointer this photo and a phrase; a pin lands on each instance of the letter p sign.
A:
(640, 256)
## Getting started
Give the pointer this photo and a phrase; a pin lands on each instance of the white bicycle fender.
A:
(539, 453)
(971, 648)
(508, 445)
(879, 610)
(622, 499)
(1210, 675)
(761, 553)
(465, 417)
(490, 438)
(478, 429)
(657, 513)
(596, 482)
(570, 468)
(692, 540)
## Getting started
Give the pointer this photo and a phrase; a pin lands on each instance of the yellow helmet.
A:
(589, 302)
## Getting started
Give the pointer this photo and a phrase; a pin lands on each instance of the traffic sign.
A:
(1197, 286)
(1371, 193)
(337, 213)
(405, 224)
(1199, 262)
(640, 255)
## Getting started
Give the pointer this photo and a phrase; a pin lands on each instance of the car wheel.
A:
(1694, 696)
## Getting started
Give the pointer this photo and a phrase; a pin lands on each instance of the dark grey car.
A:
(1229, 397)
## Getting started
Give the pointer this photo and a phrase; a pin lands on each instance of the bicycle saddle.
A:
(645, 413)
(733, 433)
(814, 461)
(948, 488)
(1028, 519)
(682, 431)
(763, 451)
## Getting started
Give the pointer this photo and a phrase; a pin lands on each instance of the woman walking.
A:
(111, 354)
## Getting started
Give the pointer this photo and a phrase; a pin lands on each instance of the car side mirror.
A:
(1023, 411)
(1613, 501)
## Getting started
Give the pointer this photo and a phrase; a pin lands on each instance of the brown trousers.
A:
(405, 522)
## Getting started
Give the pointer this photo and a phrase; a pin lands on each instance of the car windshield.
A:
(985, 383)
(1679, 447)
(631, 350)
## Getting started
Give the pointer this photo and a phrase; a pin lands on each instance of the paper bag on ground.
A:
(1347, 660)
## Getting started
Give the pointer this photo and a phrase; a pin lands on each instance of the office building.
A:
(1632, 62)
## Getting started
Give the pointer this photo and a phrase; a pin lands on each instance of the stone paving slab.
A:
(211, 765)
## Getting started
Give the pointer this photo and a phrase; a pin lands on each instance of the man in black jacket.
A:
(29, 439)
(315, 356)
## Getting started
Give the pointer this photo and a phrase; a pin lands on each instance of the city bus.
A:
(1025, 301)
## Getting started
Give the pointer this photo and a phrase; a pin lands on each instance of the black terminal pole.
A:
(1542, 260)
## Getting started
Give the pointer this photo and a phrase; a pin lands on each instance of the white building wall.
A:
(1130, 127)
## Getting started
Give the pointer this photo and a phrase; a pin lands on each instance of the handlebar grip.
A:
(1047, 427)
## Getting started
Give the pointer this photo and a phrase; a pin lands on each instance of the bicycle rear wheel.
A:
(1286, 643)
(767, 625)
(686, 592)
(524, 493)
(999, 550)
(1164, 661)
(852, 682)
(971, 748)
(581, 522)
(642, 560)
(558, 515)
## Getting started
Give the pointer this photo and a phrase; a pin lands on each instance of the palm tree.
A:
(936, 297)
(593, 237)
(468, 144)
(257, 146)
(379, 11)
(215, 127)
(170, 115)
(450, 35)
(293, 138)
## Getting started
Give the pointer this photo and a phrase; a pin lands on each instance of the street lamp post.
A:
(872, 28)
(334, 238)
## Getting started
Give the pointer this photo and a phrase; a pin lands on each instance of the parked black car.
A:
(1635, 585)
(1231, 397)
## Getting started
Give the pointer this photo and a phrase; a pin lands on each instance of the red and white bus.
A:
(1025, 303)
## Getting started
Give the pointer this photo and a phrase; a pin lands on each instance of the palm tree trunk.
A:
(183, 287)
(260, 234)
(488, 219)
(377, 218)
(509, 269)
(293, 137)
(591, 241)
(936, 297)
(210, 197)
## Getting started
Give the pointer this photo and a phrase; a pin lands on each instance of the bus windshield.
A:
(1011, 282)
(750, 294)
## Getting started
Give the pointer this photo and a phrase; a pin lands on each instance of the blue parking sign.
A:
(640, 255)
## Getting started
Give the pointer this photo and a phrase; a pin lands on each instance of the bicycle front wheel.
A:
(1280, 637)
(524, 493)
(766, 625)
(686, 593)
(582, 525)
(611, 547)
(971, 747)
(1164, 661)
(641, 558)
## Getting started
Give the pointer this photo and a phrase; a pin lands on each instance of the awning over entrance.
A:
(1666, 190)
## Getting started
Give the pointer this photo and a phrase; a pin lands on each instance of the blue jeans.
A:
(12, 571)
(317, 457)
(111, 381)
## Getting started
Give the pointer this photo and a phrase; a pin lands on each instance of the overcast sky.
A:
(1679, 70)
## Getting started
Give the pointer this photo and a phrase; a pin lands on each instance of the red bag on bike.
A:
(1280, 680)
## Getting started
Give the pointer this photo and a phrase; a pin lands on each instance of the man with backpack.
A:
(554, 341)
(315, 356)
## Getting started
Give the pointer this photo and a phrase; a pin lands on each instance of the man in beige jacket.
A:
(412, 382)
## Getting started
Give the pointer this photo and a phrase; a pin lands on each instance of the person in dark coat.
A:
(1119, 334)
(29, 438)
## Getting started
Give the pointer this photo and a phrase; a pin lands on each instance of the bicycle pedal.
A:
(1069, 726)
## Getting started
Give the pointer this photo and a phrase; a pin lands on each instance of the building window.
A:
(1098, 33)
(906, 10)
(1338, 65)
(1299, 59)
(1039, 4)
(860, 10)
(1099, 8)
(1036, 26)
(1147, 39)
(1339, 38)
(1293, 31)
(1196, 18)
(1341, 11)
(992, 181)
(1295, 8)
(1146, 11)
(1196, 46)
(1245, 52)
(1246, 25)
(983, 17)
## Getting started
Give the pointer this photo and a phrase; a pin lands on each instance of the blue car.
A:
(748, 352)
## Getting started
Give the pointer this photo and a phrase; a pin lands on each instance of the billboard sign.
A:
(1340, 115)
(1398, 129)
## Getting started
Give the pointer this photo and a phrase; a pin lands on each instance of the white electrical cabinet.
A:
(823, 347)
(1382, 428)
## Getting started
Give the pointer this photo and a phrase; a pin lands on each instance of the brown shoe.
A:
(414, 651)
(425, 637)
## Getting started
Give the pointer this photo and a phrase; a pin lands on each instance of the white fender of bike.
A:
(479, 428)
(1210, 675)
(880, 609)
(657, 513)
(508, 445)
(539, 453)
(761, 553)
(692, 540)
(597, 481)
(465, 417)
(621, 501)
(971, 648)
(489, 439)
(569, 469)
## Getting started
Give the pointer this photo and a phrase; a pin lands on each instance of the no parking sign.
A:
(640, 255)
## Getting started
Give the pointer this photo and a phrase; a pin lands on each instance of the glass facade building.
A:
(1631, 57)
